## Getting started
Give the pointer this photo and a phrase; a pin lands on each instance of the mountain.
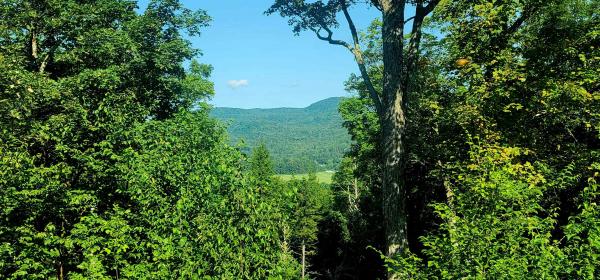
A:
(299, 139)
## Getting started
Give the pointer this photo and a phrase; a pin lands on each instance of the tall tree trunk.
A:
(60, 271)
(303, 261)
(394, 188)
(399, 70)
(393, 126)
(34, 44)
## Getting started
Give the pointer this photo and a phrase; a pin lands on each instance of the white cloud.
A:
(234, 84)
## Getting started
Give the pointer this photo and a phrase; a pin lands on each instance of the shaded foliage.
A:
(502, 138)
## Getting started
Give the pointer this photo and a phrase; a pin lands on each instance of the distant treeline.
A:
(300, 140)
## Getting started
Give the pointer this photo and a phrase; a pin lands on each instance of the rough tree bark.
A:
(393, 125)
(399, 69)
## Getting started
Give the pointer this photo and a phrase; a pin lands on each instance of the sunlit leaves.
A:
(71, 92)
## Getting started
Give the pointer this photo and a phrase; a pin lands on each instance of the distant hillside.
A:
(299, 139)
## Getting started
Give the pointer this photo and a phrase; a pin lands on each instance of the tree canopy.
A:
(474, 153)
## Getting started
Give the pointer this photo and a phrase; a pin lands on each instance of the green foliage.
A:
(515, 207)
(104, 172)
(307, 15)
(261, 166)
(296, 206)
(300, 140)
(70, 89)
(202, 216)
(352, 227)
(507, 235)
(304, 202)
(529, 85)
(583, 231)
(312, 200)
(510, 233)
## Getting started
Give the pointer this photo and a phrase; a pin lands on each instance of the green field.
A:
(323, 177)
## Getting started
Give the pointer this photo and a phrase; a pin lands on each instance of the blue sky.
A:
(259, 63)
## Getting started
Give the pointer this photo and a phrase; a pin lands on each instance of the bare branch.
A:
(44, 63)
(519, 22)
(502, 40)
(429, 8)
(409, 19)
(377, 4)
(329, 38)
(34, 44)
(350, 24)
(360, 60)
(415, 38)
(49, 55)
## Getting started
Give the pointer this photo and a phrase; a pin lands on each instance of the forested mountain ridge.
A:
(299, 139)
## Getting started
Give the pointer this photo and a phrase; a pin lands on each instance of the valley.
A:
(300, 140)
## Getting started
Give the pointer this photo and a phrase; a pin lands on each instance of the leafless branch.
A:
(360, 61)
(44, 63)
(377, 4)
(34, 44)
(354, 49)
(415, 39)
(328, 38)
(351, 25)
(519, 22)
(49, 55)
(429, 8)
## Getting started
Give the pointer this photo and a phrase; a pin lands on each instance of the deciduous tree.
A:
(399, 65)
